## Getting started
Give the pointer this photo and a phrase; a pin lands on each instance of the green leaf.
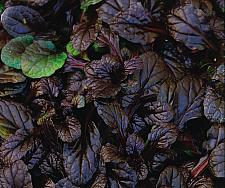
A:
(13, 50)
(71, 50)
(86, 3)
(1, 7)
(41, 59)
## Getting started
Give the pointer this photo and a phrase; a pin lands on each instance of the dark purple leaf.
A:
(100, 181)
(188, 25)
(81, 161)
(15, 175)
(214, 106)
(65, 183)
(34, 156)
(113, 116)
(70, 130)
(22, 20)
(46, 86)
(110, 153)
(52, 166)
(163, 136)
(186, 97)
(215, 135)
(109, 38)
(15, 146)
(84, 34)
(171, 177)
(123, 176)
(159, 112)
(16, 114)
(201, 182)
(133, 65)
(217, 161)
(134, 144)
(219, 74)
(217, 26)
(129, 19)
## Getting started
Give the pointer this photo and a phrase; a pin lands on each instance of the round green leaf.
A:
(86, 3)
(12, 51)
(41, 59)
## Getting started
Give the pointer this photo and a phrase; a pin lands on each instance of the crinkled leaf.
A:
(104, 76)
(100, 181)
(52, 166)
(41, 59)
(109, 38)
(188, 24)
(122, 176)
(163, 136)
(129, 19)
(70, 130)
(11, 81)
(201, 182)
(12, 89)
(113, 116)
(110, 153)
(22, 20)
(15, 146)
(133, 65)
(100, 88)
(81, 163)
(217, 26)
(217, 161)
(219, 74)
(15, 175)
(8, 75)
(214, 106)
(159, 112)
(171, 177)
(86, 3)
(46, 86)
(142, 171)
(108, 68)
(13, 50)
(134, 144)
(84, 34)
(138, 123)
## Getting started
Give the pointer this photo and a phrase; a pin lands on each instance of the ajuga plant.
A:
(112, 94)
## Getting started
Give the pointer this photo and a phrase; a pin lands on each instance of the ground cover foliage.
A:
(112, 94)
